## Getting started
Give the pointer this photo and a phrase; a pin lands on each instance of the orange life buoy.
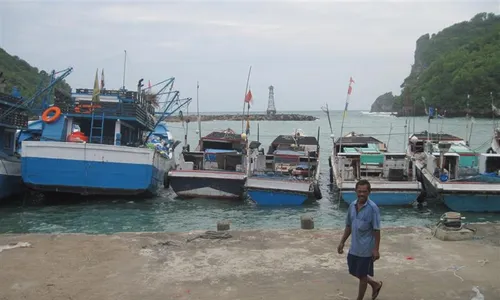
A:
(53, 109)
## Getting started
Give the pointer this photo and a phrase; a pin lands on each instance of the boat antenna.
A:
(198, 108)
(124, 68)
(349, 91)
(327, 111)
(246, 91)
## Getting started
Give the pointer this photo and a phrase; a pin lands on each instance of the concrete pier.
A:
(263, 264)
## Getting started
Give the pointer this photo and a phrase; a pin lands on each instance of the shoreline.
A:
(247, 264)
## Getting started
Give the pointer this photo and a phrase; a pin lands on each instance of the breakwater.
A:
(239, 117)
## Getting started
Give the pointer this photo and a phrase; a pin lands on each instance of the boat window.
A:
(8, 140)
(492, 164)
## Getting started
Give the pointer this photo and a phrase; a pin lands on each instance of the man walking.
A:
(363, 222)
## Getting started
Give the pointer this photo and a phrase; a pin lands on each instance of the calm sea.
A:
(166, 213)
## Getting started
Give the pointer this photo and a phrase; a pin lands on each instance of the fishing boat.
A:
(216, 169)
(288, 173)
(463, 179)
(14, 112)
(391, 174)
(95, 142)
(13, 116)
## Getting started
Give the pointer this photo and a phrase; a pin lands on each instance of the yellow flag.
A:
(95, 94)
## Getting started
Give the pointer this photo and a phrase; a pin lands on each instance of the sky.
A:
(307, 50)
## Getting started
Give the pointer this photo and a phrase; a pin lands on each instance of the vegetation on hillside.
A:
(461, 60)
(18, 73)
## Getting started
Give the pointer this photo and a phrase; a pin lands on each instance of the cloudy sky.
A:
(307, 50)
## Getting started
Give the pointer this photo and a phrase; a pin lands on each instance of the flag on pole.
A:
(249, 97)
(96, 91)
(349, 92)
(102, 79)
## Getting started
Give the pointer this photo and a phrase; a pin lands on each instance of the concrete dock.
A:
(276, 264)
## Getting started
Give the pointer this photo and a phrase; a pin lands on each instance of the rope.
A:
(211, 235)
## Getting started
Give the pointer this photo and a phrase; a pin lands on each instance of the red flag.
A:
(149, 84)
(248, 97)
(349, 90)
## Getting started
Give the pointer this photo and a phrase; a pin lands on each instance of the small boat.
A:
(465, 180)
(13, 116)
(288, 174)
(215, 170)
(95, 142)
(391, 175)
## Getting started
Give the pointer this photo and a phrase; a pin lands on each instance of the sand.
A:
(268, 264)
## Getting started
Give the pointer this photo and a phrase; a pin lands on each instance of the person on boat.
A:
(363, 222)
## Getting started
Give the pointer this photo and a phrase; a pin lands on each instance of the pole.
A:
(198, 109)
(246, 91)
(124, 68)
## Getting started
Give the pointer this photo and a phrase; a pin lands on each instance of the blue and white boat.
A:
(288, 174)
(13, 116)
(109, 154)
(391, 175)
(463, 179)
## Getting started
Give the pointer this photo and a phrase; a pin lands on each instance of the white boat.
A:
(463, 179)
(391, 175)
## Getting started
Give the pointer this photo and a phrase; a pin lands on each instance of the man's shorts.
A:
(360, 266)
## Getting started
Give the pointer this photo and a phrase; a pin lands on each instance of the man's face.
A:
(362, 192)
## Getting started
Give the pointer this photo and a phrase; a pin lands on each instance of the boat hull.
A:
(383, 193)
(10, 178)
(93, 169)
(383, 198)
(275, 192)
(207, 184)
(472, 203)
(463, 196)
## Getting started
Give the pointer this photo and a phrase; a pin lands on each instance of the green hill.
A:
(22, 75)
(460, 60)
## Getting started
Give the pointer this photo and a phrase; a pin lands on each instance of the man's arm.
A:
(347, 233)
(376, 232)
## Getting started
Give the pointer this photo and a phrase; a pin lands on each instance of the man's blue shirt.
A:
(363, 223)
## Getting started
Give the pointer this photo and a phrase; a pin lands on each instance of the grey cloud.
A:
(307, 50)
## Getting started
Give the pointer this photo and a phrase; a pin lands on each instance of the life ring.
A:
(53, 109)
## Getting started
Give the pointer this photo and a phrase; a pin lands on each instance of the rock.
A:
(306, 222)
(383, 103)
(223, 225)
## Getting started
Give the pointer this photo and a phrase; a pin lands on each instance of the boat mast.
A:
(349, 90)
(246, 91)
(124, 68)
(198, 109)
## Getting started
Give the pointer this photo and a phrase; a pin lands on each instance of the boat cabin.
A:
(119, 117)
(295, 155)
(13, 116)
(457, 159)
(417, 141)
(367, 157)
(219, 150)
(489, 163)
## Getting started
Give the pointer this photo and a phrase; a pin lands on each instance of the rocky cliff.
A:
(383, 103)
(454, 69)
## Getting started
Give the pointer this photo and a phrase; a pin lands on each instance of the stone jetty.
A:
(238, 117)
(290, 264)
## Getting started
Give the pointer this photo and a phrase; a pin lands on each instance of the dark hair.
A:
(364, 182)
